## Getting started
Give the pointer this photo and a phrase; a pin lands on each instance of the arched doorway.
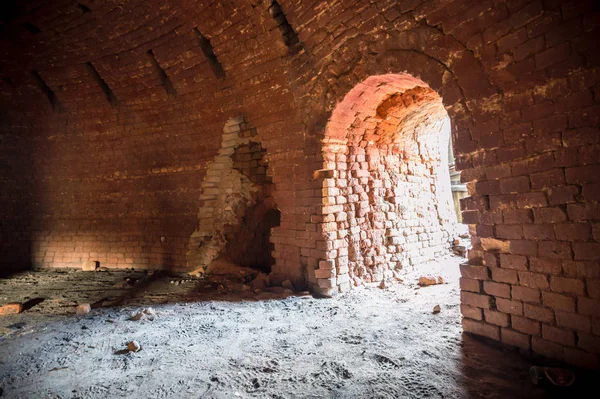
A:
(386, 183)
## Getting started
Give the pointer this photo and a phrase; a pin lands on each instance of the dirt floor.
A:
(216, 338)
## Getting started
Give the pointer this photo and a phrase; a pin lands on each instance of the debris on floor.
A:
(462, 245)
(83, 308)
(11, 308)
(147, 313)
(213, 343)
(260, 282)
(437, 309)
(133, 346)
(425, 281)
(137, 316)
(551, 375)
(89, 266)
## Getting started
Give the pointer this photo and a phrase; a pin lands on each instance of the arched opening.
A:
(386, 145)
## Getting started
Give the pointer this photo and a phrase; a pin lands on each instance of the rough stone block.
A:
(525, 294)
(496, 289)
(525, 325)
(567, 285)
(471, 312)
(515, 338)
(509, 306)
(11, 308)
(558, 335)
(477, 300)
(496, 318)
(481, 328)
(573, 321)
(539, 313)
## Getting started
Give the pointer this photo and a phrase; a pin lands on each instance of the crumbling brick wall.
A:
(235, 201)
(114, 113)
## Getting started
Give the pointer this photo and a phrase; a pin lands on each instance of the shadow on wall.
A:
(252, 246)
(17, 195)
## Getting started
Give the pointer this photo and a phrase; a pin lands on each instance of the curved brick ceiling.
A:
(76, 46)
(408, 115)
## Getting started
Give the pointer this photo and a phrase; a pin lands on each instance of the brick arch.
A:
(520, 145)
(423, 68)
(373, 99)
(383, 145)
(421, 56)
(444, 63)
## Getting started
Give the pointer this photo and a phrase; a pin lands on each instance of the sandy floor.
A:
(217, 341)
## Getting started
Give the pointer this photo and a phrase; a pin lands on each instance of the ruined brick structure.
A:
(114, 112)
(237, 209)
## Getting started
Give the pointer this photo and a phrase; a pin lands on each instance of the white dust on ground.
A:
(369, 343)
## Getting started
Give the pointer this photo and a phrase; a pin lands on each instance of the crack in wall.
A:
(224, 191)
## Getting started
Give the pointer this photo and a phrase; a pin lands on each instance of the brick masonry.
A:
(386, 201)
(234, 188)
(105, 149)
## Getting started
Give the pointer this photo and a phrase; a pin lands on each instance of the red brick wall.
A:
(120, 183)
(84, 176)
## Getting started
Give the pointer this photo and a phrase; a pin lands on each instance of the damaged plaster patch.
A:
(226, 194)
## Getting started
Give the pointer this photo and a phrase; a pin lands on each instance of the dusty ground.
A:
(218, 341)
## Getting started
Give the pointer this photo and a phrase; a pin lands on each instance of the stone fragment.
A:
(138, 316)
(89, 266)
(397, 276)
(425, 281)
(83, 308)
(11, 308)
(149, 311)
(323, 174)
(460, 250)
(437, 309)
(133, 346)
(383, 284)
